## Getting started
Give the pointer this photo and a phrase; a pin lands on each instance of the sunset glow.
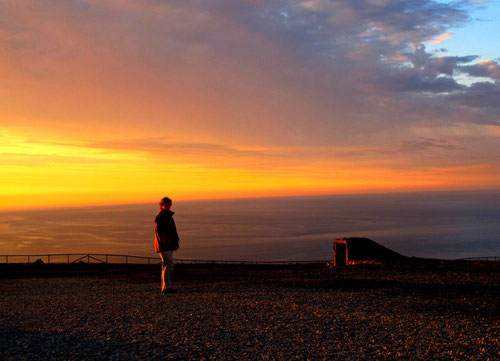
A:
(127, 101)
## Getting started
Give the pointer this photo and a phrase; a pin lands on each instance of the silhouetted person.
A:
(166, 242)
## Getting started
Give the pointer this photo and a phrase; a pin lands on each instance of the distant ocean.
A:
(432, 224)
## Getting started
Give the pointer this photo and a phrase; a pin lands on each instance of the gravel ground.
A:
(113, 318)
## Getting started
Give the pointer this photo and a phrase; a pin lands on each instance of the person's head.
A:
(165, 203)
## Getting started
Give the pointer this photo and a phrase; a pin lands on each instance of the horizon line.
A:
(367, 193)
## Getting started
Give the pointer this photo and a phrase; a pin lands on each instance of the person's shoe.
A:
(169, 290)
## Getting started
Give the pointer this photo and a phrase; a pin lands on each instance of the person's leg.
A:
(164, 262)
(170, 268)
(167, 266)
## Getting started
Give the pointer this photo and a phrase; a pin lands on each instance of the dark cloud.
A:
(487, 69)
(376, 45)
(433, 66)
(481, 95)
(404, 80)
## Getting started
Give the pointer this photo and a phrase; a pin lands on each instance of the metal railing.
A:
(124, 259)
(489, 259)
(132, 259)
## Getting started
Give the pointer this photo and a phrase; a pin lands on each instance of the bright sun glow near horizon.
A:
(126, 101)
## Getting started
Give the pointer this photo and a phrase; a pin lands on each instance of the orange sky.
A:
(129, 101)
(60, 172)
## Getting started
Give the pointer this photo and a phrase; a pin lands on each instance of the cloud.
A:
(252, 80)
(425, 143)
(483, 96)
(415, 82)
(244, 60)
(441, 37)
(433, 66)
(204, 154)
(162, 146)
(483, 68)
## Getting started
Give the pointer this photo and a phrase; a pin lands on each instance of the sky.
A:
(122, 101)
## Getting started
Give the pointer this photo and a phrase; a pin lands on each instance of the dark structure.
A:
(358, 250)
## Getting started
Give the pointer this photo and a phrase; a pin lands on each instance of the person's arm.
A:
(160, 230)
(174, 237)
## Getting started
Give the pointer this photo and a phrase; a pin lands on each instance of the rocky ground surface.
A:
(252, 313)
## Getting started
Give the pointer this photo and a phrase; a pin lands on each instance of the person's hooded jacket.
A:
(166, 237)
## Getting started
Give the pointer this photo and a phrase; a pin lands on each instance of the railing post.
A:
(106, 258)
(48, 258)
(88, 258)
(6, 259)
(28, 259)
(68, 257)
